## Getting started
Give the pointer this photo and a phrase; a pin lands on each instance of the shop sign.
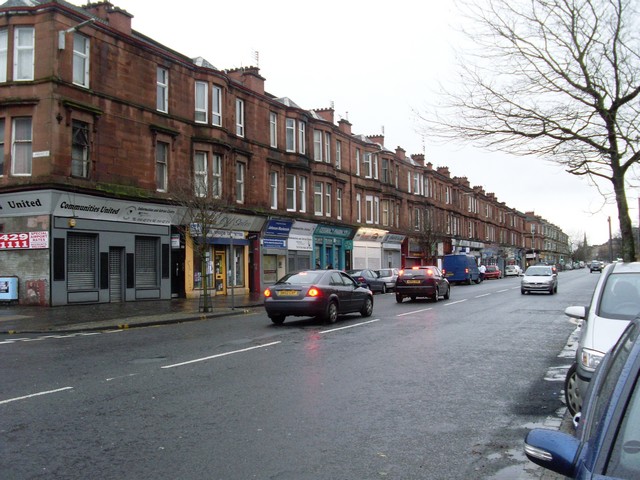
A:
(278, 228)
(24, 240)
(274, 243)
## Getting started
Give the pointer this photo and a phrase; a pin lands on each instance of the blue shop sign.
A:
(341, 232)
(274, 243)
(278, 228)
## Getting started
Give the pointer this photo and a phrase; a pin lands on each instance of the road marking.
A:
(415, 311)
(505, 290)
(35, 395)
(220, 355)
(349, 326)
(453, 303)
(483, 295)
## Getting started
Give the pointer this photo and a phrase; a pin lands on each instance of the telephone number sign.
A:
(27, 240)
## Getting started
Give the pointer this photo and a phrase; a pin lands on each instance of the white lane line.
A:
(483, 295)
(35, 395)
(453, 303)
(415, 311)
(505, 290)
(219, 355)
(349, 326)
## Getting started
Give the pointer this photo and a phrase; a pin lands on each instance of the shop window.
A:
(147, 262)
(82, 261)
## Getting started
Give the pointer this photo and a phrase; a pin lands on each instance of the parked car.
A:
(370, 279)
(539, 278)
(460, 268)
(492, 271)
(595, 266)
(607, 441)
(316, 293)
(388, 276)
(422, 281)
(615, 301)
(512, 270)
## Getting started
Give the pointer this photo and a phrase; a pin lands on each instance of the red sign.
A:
(29, 240)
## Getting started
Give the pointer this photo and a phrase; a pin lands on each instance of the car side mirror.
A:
(552, 449)
(579, 312)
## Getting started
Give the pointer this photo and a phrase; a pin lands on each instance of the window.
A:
(327, 147)
(385, 171)
(202, 100)
(357, 162)
(23, 53)
(1, 147)
(385, 212)
(162, 158)
(274, 190)
(317, 145)
(273, 129)
(240, 174)
(216, 176)
(4, 45)
(80, 149)
(416, 183)
(291, 193)
(376, 210)
(339, 203)
(416, 219)
(358, 208)
(81, 60)
(21, 146)
(216, 107)
(367, 165)
(302, 138)
(239, 117)
(200, 176)
(374, 163)
(81, 261)
(317, 197)
(409, 182)
(338, 154)
(368, 205)
(290, 127)
(162, 90)
(327, 199)
(147, 262)
(303, 194)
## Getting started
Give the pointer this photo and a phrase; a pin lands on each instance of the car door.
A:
(351, 293)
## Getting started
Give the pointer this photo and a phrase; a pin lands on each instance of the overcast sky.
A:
(377, 63)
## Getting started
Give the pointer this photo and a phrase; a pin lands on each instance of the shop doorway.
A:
(116, 274)
(219, 269)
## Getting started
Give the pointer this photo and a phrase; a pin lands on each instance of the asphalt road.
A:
(425, 390)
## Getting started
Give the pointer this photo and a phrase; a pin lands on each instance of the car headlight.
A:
(590, 359)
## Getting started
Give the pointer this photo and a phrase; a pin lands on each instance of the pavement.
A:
(22, 319)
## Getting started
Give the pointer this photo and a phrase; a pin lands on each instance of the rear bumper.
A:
(309, 307)
(417, 291)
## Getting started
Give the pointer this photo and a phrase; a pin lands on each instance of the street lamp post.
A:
(610, 241)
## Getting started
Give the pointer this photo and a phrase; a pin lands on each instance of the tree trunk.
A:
(626, 230)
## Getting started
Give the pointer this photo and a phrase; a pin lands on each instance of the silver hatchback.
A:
(539, 278)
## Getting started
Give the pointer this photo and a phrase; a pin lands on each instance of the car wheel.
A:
(571, 393)
(367, 308)
(522, 291)
(331, 314)
(436, 295)
(413, 298)
(277, 319)
(399, 298)
(447, 294)
(555, 290)
(469, 281)
(384, 289)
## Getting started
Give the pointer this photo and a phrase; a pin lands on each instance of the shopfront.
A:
(86, 249)
(367, 248)
(392, 250)
(330, 246)
(274, 250)
(300, 246)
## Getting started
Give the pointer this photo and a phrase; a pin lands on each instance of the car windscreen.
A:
(621, 297)
(538, 271)
(301, 278)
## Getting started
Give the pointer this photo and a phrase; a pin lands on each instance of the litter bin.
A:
(8, 289)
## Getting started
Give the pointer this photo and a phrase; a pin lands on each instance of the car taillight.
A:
(466, 270)
(443, 271)
(313, 292)
(267, 293)
(429, 272)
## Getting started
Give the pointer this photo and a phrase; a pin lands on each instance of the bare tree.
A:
(204, 209)
(429, 236)
(554, 79)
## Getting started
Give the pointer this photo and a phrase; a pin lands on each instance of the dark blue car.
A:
(607, 440)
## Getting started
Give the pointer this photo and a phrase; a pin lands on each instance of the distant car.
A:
(369, 278)
(422, 281)
(388, 276)
(595, 266)
(461, 268)
(512, 270)
(316, 293)
(539, 278)
(492, 271)
(615, 301)
(607, 440)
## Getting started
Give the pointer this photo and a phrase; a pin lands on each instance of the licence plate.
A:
(287, 293)
(414, 282)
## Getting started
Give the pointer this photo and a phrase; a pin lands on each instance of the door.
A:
(177, 274)
(219, 270)
(116, 274)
